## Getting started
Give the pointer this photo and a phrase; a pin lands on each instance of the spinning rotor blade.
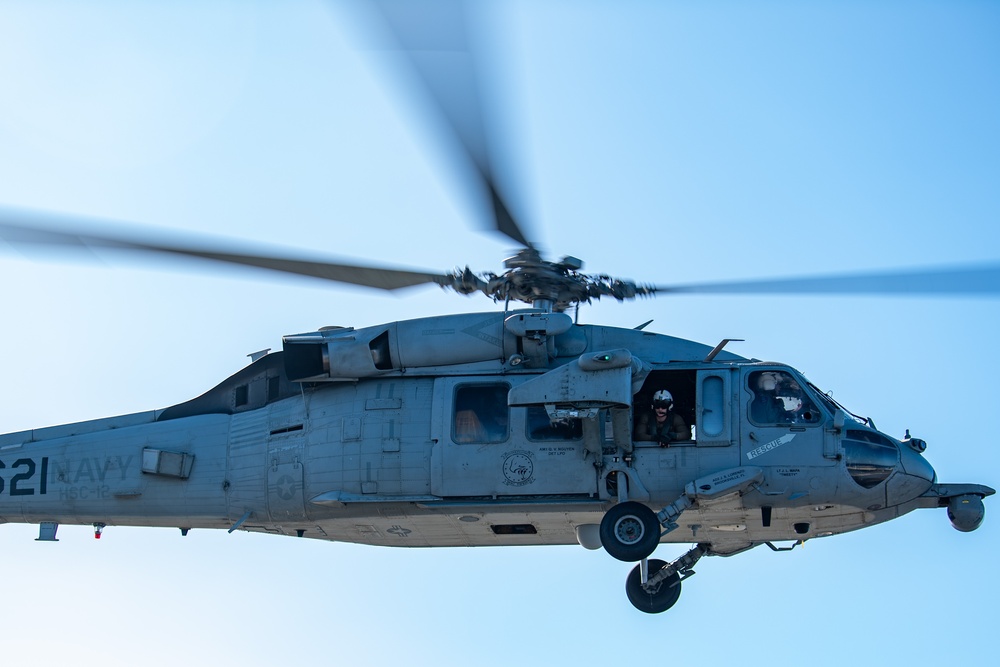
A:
(982, 280)
(433, 39)
(25, 229)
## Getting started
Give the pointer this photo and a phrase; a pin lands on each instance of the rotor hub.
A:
(544, 284)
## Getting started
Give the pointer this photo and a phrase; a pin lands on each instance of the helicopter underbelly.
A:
(421, 525)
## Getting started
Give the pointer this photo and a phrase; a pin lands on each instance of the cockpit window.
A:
(823, 398)
(481, 413)
(541, 427)
(779, 398)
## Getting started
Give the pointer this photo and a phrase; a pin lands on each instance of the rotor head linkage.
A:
(543, 284)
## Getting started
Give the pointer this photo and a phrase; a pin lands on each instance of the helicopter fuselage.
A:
(481, 429)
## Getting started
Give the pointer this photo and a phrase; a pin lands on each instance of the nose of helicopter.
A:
(915, 465)
(912, 479)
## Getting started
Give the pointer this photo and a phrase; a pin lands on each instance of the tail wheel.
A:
(630, 531)
(661, 598)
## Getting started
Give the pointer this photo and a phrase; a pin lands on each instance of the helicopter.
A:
(508, 427)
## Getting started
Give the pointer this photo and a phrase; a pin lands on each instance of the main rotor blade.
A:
(433, 38)
(20, 233)
(981, 280)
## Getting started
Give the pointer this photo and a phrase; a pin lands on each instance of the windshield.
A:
(833, 405)
(825, 398)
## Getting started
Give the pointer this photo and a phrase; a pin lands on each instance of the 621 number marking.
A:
(18, 481)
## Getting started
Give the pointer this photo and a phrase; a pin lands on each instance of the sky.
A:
(666, 142)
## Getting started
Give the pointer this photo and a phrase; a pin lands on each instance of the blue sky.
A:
(665, 142)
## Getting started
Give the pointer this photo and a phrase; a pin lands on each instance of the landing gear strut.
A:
(654, 586)
(630, 531)
(652, 599)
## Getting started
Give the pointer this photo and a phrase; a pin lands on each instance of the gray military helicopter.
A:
(515, 426)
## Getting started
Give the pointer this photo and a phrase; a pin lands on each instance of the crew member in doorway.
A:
(661, 424)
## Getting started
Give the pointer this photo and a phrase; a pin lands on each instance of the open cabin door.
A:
(702, 399)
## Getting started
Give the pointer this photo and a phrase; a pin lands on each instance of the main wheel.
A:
(630, 531)
(658, 600)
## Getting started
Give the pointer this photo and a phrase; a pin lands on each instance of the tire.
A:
(630, 531)
(652, 602)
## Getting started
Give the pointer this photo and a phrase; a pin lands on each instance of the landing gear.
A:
(630, 531)
(652, 599)
(654, 586)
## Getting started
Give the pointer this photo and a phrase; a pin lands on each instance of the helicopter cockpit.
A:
(780, 398)
(777, 397)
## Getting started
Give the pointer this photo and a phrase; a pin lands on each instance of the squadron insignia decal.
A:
(518, 468)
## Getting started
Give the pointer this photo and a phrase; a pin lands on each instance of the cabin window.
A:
(540, 427)
(778, 398)
(481, 413)
(713, 398)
